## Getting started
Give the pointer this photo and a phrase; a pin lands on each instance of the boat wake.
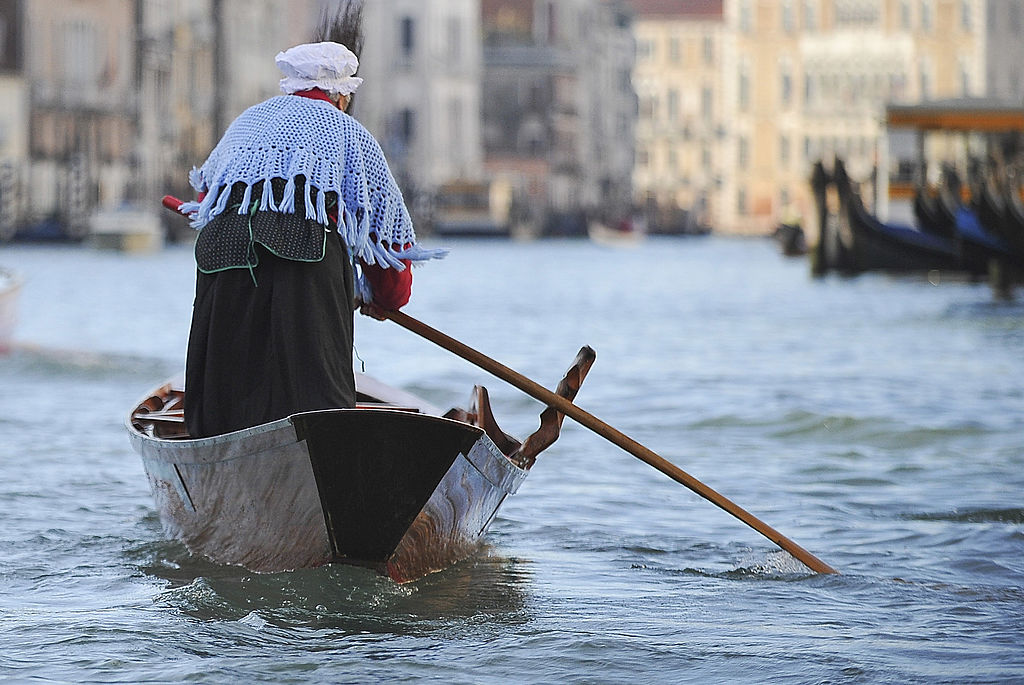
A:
(1012, 516)
(337, 597)
(30, 357)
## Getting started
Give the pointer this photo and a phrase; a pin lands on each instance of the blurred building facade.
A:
(703, 112)
(14, 116)
(559, 107)
(795, 81)
(681, 133)
(109, 102)
(69, 123)
(1004, 49)
(421, 96)
(198, 68)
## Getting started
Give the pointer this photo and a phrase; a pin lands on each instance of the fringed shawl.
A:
(286, 137)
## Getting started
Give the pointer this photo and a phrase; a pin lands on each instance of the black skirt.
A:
(271, 342)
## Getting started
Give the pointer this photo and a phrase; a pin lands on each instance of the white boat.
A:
(627, 233)
(10, 287)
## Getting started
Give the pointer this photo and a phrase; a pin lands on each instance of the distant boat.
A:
(126, 229)
(999, 209)
(393, 484)
(971, 227)
(10, 288)
(469, 209)
(790, 237)
(625, 233)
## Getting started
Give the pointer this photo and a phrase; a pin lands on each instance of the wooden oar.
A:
(595, 424)
(539, 392)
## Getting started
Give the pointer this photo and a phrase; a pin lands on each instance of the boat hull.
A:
(401, 492)
(852, 240)
(10, 287)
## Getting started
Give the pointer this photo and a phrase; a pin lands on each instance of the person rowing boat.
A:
(300, 222)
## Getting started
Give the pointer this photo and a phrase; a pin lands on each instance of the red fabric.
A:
(391, 288)
(313, 94)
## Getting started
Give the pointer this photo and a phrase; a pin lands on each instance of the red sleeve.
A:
(391, 288)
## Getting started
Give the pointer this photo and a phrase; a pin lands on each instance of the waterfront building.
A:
(681, 133)
(796, 81)
(558, 107)
(421, 96)
(198, 68)
(1004, 49)
(14, 114)
(111, 102)
(77, 61)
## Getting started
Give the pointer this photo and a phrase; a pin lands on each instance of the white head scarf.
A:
(328, 66)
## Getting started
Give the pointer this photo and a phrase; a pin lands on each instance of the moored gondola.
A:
(852, 240)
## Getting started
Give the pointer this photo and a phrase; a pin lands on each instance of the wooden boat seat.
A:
(163, 416)
(385, 405)
(172, 416)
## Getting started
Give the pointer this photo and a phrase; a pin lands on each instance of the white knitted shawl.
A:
(289, 136)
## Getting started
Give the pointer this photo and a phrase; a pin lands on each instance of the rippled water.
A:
(878, 422)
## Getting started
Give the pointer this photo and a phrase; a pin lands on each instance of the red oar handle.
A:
(172, 203)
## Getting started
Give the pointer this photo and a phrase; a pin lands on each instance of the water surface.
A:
(877, 421)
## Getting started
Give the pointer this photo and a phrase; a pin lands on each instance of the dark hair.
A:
(343, 24)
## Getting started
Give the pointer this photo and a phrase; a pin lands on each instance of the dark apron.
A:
(271, 340)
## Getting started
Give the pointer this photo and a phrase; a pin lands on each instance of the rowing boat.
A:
(393, 484)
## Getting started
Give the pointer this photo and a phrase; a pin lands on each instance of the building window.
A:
(926, 15)
(741, 201)
(406, 126)
(857, 12)
(707, 103)
(743, 153)
(905, 22)
(784, 151)
(454, 41)
(552, 24)
(675, 53)
(965, 15)
(788, 21)
(644, 50)
(744, 87)
(407, 37)
(785, 85)
(648, 104)
(455, 123)
(709, 50)
(746, 17)
(672, 105)
(80, 54)
(810, 16)
(965, 77)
